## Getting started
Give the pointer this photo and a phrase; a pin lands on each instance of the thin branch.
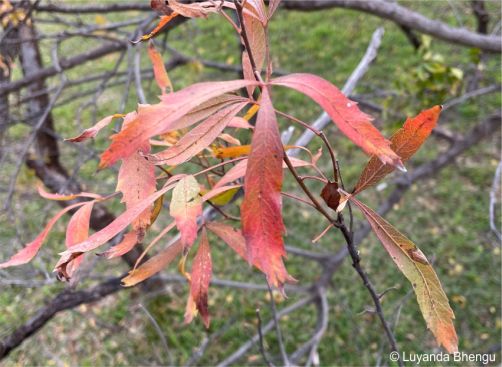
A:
(260, 339)
(494, 195)
(277, 327)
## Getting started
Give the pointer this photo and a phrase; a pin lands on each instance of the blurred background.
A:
(66, 64)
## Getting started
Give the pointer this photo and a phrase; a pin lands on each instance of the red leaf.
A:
(256, 36)
(405, 142)
(158, 119)
(111, 230)
(93, 131)
(198, 138)
(201, 277)
(239, 170)
(31, 249)
(136, 181)
(262, 224)
(77, 231)
(354, 123)
(153, 265)
(232, 237)
(159, 69)
(185, 207)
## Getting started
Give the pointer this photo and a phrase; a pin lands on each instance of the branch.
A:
(65, 300)
(405, 17)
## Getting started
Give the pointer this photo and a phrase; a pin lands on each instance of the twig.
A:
(277, 327)
(260, 339)
(159, 333)
(493, 202)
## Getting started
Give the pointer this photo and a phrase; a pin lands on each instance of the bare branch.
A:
(407, 18)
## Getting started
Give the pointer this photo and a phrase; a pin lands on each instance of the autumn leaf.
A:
(153, 265)
(159, 69)
(239, 151)
(27, 253)
(405, 142)
(415, 266)
(330, 195)
(233, 238)
(77, 231)
(119, 224)
(253, 20)
(162, 23)
(272, 7)
(225, 197)
(239, 170)
(127, 244)
(261, 210)
(185, 207)
(136, 180)
(93, 131)
(157, 119)
(351, 121)
(195, 10)
(198, 138)
(65, 197)
(201, 277)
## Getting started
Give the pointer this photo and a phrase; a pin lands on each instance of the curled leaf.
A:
(201, 277)
(159, 69)
(27, 253)
(153, 265)
(93, 131)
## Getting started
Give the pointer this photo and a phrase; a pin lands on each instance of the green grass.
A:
(446, 216)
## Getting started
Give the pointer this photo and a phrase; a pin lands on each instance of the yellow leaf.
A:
(414, 265)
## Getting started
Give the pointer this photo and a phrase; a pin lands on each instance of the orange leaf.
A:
(239, 170)
(111, 230)
(126, 245)
(159, 69)
(93, 131)
(415, 266)
(185, 207)
(261, 210)
(31, 249)
(405, 142)
(153, 265)
(198, 138)
(77, 231)
(354, 123)
(60, 197)
(162, 23)
(157, 119)
(201, 277)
